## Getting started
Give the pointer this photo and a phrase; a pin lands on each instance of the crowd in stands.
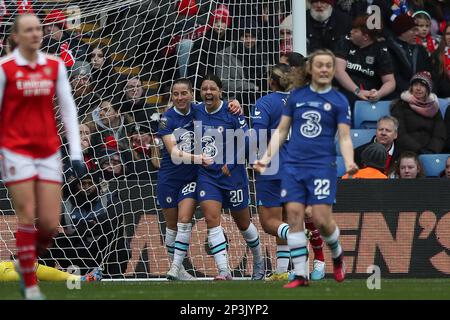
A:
(407, 61)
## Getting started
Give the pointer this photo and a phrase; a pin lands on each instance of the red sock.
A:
(316, 240)
(43, 241)
(26, 252)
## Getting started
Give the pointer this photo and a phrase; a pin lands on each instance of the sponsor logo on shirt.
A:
(359, 68)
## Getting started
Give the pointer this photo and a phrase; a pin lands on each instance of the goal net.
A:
(122, 57)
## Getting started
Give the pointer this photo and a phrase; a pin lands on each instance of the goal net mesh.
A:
(122, 57)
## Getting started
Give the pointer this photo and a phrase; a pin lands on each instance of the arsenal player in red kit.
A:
(29, 142)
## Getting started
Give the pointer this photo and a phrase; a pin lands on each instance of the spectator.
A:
(135, 105)
(240, 66)
(421, 127)
(446, 172)
(110, 126)
(447, 126)
(105, 80)
(373, 160)
(441, 64)
(364, 68)
(268, 22)
(58, 40)
(362, 7)
(408, 58)
(424, 38)
(93, 230)
(111, 165)
(409, 166)
(204, 49)
(80, 81)
(145, 155)
(86, 147)
(325, 26)
(386, 134)
(286, 30)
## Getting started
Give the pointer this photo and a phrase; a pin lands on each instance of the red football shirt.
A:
(27, 111)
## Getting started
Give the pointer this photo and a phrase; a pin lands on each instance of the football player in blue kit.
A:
(224, 184)
(265, 117)
(316, 112)
(176, 188)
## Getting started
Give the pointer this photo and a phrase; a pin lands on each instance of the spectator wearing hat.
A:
(241, 66)
(325, 26)
(58, 40)
(408, 58)
(364, 68)
(421, 127)
(374, 161)
(80, 80)
(111, 164)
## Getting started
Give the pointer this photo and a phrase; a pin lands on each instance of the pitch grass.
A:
(401, 289)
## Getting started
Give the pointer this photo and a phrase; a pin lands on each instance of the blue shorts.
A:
(170, 194)
(231, 199)
(268, 193)
(310, 186)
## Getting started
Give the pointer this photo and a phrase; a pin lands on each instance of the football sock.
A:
(218, 245)
(316, 240)
(299, 252)
(251, 236)
(283, 256)
(170, 242)
(333, 242)
(182, 242)
(26, 252)
(283, 230)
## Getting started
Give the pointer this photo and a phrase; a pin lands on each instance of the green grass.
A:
(241, 290)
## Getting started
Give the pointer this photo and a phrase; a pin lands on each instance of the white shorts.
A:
(17, 168)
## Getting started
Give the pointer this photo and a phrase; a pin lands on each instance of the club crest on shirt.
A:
(370, 60)
(48, 71)
(12, 170)
(327, 106)
(19, 74)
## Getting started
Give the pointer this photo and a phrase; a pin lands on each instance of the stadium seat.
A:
(366, 114)
(443, 104)
(433, 164)
(340, 166)
(359, 137)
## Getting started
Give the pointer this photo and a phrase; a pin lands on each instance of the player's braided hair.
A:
(280, 73)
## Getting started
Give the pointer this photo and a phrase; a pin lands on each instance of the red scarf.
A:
(429, 43)
(447, 58)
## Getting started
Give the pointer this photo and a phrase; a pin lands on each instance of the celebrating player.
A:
(316, 112)
(224, 184)
(266, 116)
(29, 142)
(176, 190)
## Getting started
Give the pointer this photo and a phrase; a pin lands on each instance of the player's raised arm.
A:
(277, 140)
